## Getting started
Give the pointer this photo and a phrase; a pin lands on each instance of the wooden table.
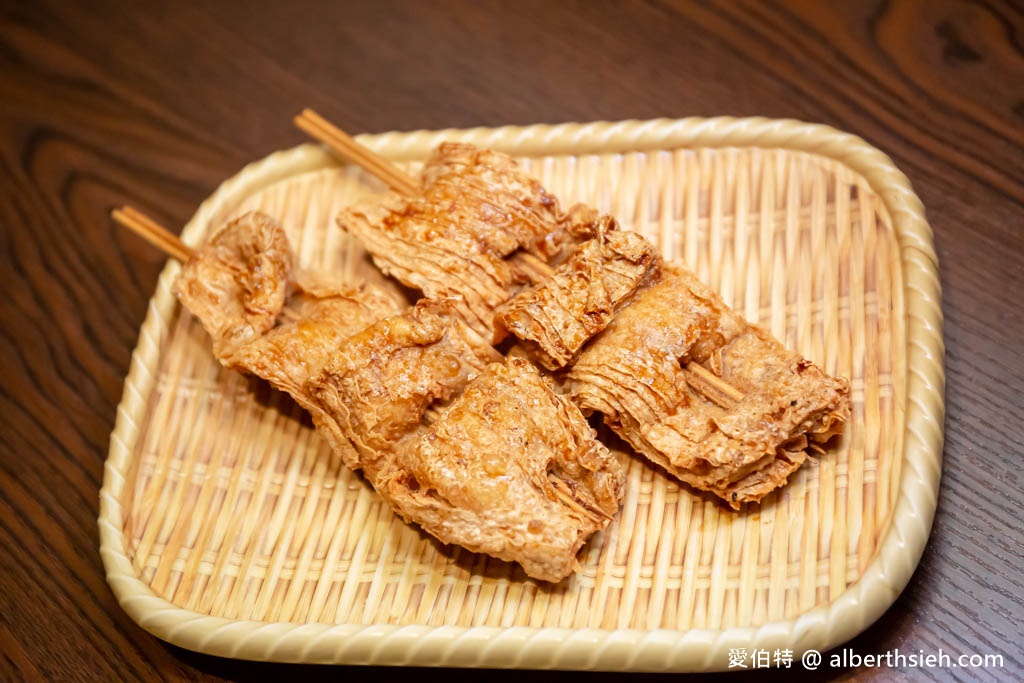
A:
(109, 102)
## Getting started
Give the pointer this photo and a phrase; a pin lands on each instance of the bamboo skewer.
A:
(712, 386)
(154, 233)
(342, 143)
(567, 496)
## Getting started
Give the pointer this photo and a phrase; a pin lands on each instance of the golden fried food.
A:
(459, 238)
(717, 402)
(478, 452)
(556, 317)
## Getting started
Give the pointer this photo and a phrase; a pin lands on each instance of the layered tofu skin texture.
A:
(490, 451)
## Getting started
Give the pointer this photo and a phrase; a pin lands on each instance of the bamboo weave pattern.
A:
(235, 508)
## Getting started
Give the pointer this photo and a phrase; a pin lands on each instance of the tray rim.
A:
(820, 628)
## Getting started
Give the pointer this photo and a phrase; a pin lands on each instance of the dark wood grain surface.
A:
(155, 103)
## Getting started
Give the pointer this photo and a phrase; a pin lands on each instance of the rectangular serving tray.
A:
(227, 526)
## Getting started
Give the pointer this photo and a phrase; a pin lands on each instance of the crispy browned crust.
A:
(740, 444)
(556, 317)
(478, 453)
(717, 402)
(457, 239)
(510, 469)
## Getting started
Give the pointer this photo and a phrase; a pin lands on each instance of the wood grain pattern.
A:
(110, 102)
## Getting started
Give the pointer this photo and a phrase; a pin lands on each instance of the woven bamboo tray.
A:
(228, 527)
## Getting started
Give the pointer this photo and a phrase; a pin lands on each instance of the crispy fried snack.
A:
(263, 317)
(557, 316)
(479, 453)
(460, 239)
(386, 382)
(717, 402)
(510, 469)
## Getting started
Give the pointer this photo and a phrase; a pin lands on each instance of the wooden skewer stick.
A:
(712, 386)
(564, 492)
(342, 143)
(154, 233)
